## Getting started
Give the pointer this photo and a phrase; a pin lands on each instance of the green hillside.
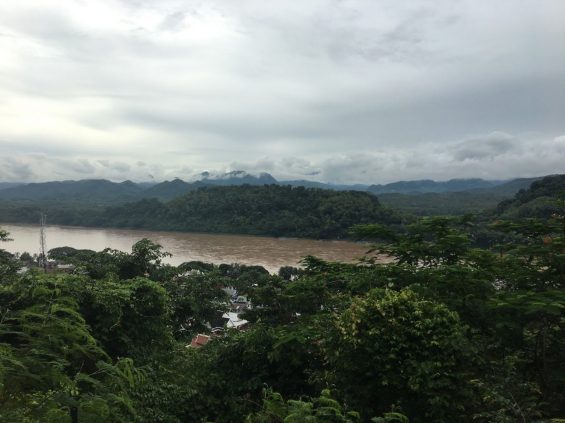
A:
(255, 210)
(85, 191)
(539, 200)
(455, 203)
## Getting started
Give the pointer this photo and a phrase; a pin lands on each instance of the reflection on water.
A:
(272, 253)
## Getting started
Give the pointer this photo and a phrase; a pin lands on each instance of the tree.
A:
(129, 318)
(4, 236)
(394, 348)
(430, 242)
(146, 257)
(196, 301)
(323, 409)
(8, 265)
(51, 367)
(26, 257)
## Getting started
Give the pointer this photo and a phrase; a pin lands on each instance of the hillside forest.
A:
(269, 209)
(465, 324)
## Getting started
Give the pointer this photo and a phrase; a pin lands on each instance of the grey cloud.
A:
(282, 168)
(360, 90)
(184, 172)
(492, 156)
(489, 147)
(262, 165)
(42, 167)
(435, 161)
(121, 167)
(80, 166)
(173, 21)
(34, 145)
(404, 42)
(299, 166)
(13, 169)
(116, 166)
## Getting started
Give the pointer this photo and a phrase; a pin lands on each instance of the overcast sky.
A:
(331, 90)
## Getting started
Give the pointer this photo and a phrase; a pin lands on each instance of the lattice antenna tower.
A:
(43, 242)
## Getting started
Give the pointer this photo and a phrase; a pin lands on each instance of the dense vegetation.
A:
(447, 332)
(445, 203)
(100, 191)
(427, 185)
(267, 210)
(89, 191)
(256, 210)
(454, 201)
(536, 201)
(67, 198)
(104, 192)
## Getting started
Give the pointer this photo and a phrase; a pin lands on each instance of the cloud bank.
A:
(331, 90)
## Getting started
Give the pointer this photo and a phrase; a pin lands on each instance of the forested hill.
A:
(103, 192)
(462, 202)
(83, 201)
(84, 191)
(427, 185)
(256, 210)
(539, 200)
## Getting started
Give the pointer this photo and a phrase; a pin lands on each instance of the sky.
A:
(344, 91)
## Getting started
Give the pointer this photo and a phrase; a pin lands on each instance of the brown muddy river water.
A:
(272, 253)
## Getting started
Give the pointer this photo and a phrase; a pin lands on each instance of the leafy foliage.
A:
(398, 327)
(536, 201)
(51, 366)
(323, 409)
(441, 330)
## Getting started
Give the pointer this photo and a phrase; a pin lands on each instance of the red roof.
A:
(199, 340)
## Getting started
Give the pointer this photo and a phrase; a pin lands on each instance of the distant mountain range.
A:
(88, 190)
(427, 185)
(103, 192)
(4, 185)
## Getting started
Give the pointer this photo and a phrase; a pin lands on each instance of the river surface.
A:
(271, 253)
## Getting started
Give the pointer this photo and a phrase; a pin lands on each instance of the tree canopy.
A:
(445, 330)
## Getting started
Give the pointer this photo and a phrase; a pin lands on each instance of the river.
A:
(271, 253)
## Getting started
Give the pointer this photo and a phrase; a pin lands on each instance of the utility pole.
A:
(43, 242)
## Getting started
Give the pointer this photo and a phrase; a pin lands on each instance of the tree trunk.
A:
(74, 414)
